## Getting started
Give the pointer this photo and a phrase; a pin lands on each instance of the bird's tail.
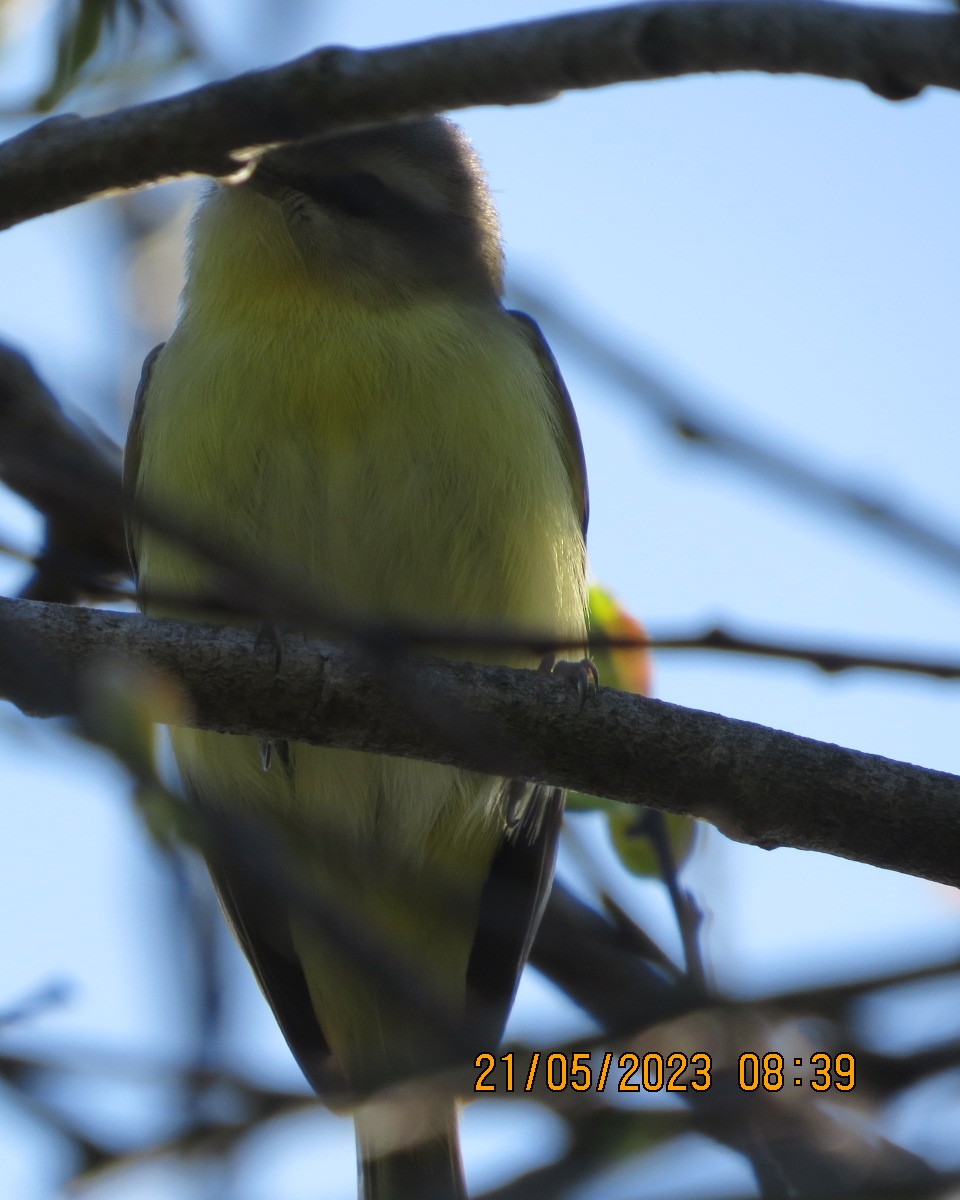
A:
(405, 1153)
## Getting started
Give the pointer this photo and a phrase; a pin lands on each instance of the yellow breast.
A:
(402, 462)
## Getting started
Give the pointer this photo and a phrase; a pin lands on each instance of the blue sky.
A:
(786, 249)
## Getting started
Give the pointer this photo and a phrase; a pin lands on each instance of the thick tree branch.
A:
(756, 784)
(67, 160)
(67, 474)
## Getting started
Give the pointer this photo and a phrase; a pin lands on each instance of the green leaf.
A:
(635, 850)
(627, 668)
(85, 28)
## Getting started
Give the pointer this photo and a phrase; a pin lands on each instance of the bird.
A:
(345, 398)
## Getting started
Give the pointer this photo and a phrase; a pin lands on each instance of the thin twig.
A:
(651, 824)
(693, 420)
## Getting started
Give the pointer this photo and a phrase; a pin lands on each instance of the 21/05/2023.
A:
(583, 1071)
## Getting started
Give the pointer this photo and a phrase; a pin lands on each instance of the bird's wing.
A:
(131, 454)
(263, 932)
(521, 873)
(570, 446)
(511, 906)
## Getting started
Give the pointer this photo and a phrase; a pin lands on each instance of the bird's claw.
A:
(274, 746)
(270, 635)
(583, 674)
(267, 633)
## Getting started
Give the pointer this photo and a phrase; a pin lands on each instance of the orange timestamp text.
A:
(582, 1071)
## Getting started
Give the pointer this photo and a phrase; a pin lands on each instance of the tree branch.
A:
(84, 544)
(68, 159)
(757, 785)
(831, 660)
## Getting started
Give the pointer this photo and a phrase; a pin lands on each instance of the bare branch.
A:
(757, 785)
(77, 490)
(830, 659)
(68, 159)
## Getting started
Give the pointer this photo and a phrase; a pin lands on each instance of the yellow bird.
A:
(345, 396)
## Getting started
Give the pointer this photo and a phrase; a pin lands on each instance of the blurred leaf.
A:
(121, 707)
(627, 668)
(635, 849)
(81, 28)
(85, 27)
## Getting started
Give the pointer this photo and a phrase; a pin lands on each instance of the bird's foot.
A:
(583, 674)
(278, 748)
(270, 635)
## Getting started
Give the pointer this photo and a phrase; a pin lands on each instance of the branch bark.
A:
(68, 159)
(69, 475)
(757, 785)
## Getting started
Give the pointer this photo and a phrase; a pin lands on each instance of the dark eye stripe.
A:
(446, 244)
(364, 196)
(361, 195)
